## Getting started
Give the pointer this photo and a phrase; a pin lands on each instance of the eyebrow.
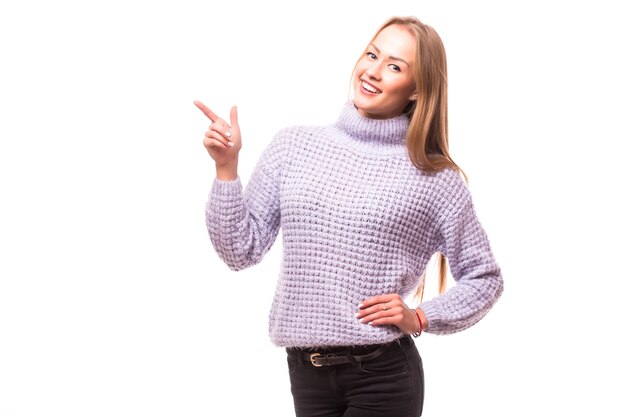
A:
(395, 58)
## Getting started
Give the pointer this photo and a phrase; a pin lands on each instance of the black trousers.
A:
(391, 385)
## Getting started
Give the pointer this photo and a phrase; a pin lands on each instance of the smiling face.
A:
(383, 77)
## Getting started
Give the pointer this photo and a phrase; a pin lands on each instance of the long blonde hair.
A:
(427, 134)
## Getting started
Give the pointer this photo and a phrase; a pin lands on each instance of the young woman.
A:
(363, 205)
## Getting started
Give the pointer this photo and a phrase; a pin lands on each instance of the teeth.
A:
(370, 88)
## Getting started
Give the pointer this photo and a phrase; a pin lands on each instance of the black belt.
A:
(332, 359)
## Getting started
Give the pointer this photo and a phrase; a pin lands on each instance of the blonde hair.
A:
(427, 134)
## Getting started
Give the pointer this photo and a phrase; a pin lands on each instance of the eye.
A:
(394, 67)
(371, 55)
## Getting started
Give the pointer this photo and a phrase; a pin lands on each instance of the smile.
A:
(370, 88)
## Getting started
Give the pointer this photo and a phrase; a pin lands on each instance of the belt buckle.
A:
(313, 361)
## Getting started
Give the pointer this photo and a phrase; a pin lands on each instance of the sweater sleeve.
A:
(478, 279)
(243, 225)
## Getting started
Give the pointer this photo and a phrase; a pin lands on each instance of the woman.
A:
(363, 205)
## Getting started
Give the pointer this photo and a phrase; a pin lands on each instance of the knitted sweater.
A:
(358, 220)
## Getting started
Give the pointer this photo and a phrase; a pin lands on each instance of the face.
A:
(383, 78)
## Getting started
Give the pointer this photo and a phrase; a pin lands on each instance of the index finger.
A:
(384, 298)
(207, 111)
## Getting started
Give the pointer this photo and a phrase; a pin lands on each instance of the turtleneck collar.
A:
(373, 132)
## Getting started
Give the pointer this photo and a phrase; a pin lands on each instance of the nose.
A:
(373, 70)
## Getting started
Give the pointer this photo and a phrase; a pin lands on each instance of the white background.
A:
(112, 300)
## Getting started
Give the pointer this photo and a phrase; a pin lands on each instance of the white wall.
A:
(112, 300)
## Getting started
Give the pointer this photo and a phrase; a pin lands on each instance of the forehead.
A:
(397, 41)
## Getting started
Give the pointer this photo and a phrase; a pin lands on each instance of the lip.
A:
(364, 91)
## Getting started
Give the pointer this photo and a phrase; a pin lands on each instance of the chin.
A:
(369, 110)
(366, 106)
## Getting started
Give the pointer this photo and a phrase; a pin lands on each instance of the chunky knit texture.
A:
(358, 220)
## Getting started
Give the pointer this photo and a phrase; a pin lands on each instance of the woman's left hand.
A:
(388, 309)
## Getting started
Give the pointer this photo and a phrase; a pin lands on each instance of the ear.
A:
(413, 97)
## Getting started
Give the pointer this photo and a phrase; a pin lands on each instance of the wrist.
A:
(226, 172)
(421, 322)
(422, 317)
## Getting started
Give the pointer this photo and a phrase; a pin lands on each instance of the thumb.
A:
(234, 122)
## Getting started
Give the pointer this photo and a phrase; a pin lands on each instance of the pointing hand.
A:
(222, 141)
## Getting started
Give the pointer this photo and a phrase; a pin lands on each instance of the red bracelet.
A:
(419, 320)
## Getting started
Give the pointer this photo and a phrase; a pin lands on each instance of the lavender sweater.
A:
(358, 220)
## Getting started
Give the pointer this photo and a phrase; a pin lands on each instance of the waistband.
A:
(339, 355)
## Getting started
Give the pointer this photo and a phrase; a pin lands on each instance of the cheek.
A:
(359, 70)
(402, 86)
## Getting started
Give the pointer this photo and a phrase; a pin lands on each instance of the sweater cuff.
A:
(227, 187)
(436, 324)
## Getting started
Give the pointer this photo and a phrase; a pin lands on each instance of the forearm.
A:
(240, 231)
(463, 305)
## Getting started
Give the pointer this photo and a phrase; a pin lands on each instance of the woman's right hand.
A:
(222, 141)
